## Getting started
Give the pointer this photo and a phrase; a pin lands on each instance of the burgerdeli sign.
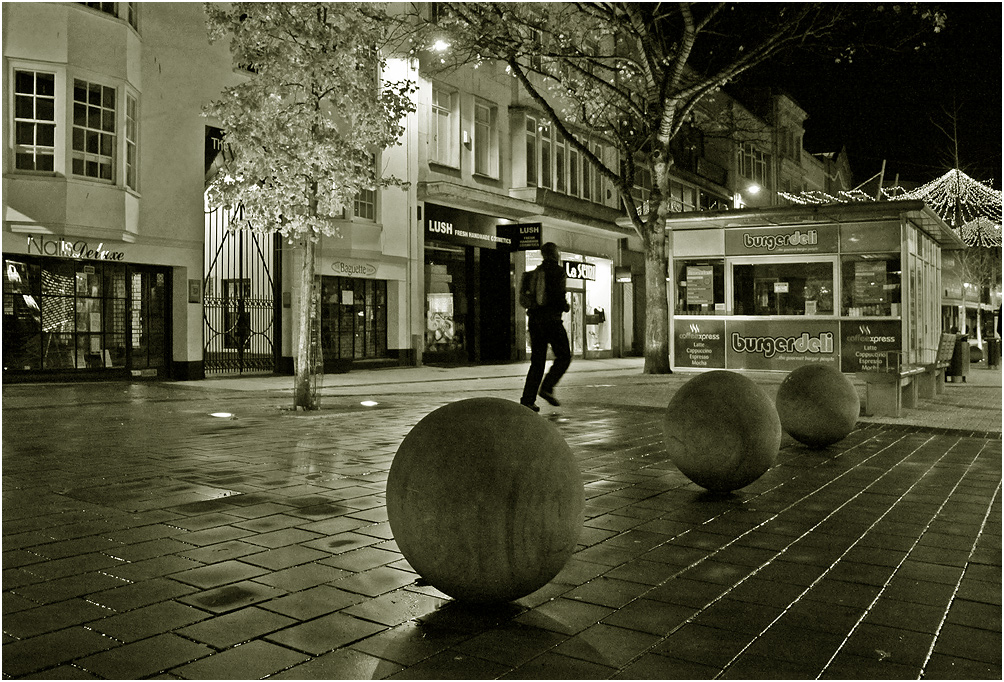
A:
(743, 241)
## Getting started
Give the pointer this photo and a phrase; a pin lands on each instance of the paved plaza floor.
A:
(145, 538)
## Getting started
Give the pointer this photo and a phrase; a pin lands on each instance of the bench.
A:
(934, 383)
(888, 392)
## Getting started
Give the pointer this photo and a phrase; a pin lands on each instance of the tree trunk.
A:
(304, 391)
(656, 304)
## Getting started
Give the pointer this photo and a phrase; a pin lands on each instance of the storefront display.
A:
(752, 292)
(65, 315)
(588, 280)
(353, 320)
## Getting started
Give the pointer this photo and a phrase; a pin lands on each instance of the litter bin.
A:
(959, 366)
(993, 352)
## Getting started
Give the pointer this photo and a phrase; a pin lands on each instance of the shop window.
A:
(442, 145)
(486, 139)
(70, 315)
(791, 288)
(871, 285)
(353, 318)
(34, 120)
(93, 130)
(700, 287)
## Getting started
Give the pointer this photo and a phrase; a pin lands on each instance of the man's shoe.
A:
(531, 406)
(549, 397)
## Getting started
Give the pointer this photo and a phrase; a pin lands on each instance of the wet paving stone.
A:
(260, 547)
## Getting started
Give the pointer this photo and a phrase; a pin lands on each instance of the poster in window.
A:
(869, 282)
(700, 285)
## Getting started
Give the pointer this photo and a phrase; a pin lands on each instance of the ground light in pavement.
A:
(722, 431)
(485, 500)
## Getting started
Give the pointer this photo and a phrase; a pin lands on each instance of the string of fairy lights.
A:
(970, 207)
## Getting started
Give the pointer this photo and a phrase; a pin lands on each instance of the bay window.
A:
(94, 132)
(34, 120)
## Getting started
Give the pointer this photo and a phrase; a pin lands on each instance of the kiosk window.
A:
(700, 287)
(871, 285)
(783, 288)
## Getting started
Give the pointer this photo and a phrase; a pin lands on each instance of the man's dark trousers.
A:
(544, 331)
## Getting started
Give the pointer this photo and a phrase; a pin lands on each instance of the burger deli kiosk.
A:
(855, 285)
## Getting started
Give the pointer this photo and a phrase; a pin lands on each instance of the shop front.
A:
(470, 298)
(74, 309)
(589, 282)
(851, 285)
(355, 312)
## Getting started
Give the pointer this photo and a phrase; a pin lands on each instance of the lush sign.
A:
(463, 227)
(521, 236)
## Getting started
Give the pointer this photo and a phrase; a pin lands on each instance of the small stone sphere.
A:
(485, 500)
(722, 431)
(818, 405)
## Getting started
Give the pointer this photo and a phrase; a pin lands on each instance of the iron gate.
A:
(240, 314)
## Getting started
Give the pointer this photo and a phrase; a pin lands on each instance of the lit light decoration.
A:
(970, 207)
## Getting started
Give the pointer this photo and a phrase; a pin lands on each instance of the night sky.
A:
(890, 109)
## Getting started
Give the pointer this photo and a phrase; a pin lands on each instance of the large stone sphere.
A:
(485, 500)
(818, 405)
(722, 431)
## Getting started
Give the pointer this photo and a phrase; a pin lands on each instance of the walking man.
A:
(545, 305)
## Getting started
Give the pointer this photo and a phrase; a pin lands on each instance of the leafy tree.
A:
(635, 73)
(302, 128)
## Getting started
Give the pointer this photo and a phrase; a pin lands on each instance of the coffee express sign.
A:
(80, 249)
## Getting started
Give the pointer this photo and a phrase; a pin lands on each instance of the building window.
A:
(106, 7)
(34, 120)
(133, 14)
(443, 123)
(486, 139)
(560, 170)
(131, 136)
(573, 171)
(753, 164)
(93, 130)
(545, 155)
(531, 151)
(364, 205)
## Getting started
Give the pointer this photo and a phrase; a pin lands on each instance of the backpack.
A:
(532, 293)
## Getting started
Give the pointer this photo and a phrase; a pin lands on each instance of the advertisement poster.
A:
(699, 344)
(700, 285)
(780, 345)
(866, 345)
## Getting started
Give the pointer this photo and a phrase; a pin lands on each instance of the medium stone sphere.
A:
(485, 500)
(818, 405)
(722, 431)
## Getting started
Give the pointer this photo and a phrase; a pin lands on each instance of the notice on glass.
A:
(869, 282)
(700, 285)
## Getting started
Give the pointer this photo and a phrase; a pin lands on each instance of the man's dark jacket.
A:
(554, 292)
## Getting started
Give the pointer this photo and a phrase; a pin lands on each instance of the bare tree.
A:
(636, 73)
